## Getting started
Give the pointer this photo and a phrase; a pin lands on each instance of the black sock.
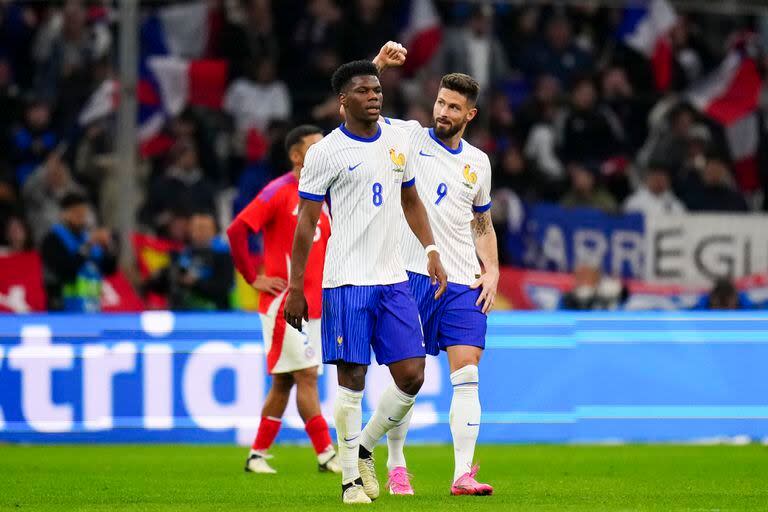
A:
(364, 453)
(344, 487)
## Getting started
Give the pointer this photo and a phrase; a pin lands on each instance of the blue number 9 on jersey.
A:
(442, 189)
(377, 198)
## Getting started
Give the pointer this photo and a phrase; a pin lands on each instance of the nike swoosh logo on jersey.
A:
(352, 168)
(352, 439)
(473, 424)
(422, 153)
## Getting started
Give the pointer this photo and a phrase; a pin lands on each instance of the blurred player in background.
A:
(363, 167)
(293, 357)
(455, 184)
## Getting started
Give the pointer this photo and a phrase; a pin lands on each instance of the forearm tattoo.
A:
(482, 224)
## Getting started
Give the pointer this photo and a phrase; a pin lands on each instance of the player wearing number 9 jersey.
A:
(364, 170)
(454, 181)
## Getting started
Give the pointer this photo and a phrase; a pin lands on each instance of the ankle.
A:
(364, 453)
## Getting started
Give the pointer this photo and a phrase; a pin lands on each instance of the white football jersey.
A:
(452, 184)
(363, 179)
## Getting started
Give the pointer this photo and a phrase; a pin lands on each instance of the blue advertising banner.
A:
(560, 239)
(545, 377)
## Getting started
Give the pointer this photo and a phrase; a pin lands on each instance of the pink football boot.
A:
(466, 485)
(399, 482)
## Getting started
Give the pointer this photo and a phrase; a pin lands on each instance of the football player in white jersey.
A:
(454, 181)
(363, 169)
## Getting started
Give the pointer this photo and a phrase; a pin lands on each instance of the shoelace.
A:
(400, 479)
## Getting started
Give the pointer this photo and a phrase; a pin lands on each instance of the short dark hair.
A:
(73, 199)
(462, 84)
(722, 292)
(350, 70)
(296, 135)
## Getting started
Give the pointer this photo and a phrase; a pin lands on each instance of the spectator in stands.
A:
(366, 24)
(318, 27)
(33, 141)
(631, 110)
(699, 145)
(310, 89)
(252, 40)
(17, 28)
(474, 49)
(542, 106)
(655, 196)
(10, 104)
(723, 295)
(669, 140)
(177, 227)
(258, 99)
(76, 257)
(590, 132)
(183, 186)
(537, 120)
(201, 276)
(594, 291)
(715, 191)
(191, 125)
(691, 55)
(15, 236)
(521, 31)
(43, 192)
(558, 55)
(516, 186)
(585, 190)
(67, 50)
(501, 119)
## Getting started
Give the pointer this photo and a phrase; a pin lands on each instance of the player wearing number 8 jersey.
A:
(454, 181)
(364, 170)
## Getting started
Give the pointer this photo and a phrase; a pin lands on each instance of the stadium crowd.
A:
(568, 114)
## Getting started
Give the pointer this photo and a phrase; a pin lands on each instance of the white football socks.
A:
(348, 415)
(392, 408)
(464, 417)
(396, 443)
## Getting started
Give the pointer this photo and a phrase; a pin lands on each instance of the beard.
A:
(444, 132)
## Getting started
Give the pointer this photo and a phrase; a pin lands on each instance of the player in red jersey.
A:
(293, 357)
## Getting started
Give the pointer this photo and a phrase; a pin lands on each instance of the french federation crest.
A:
(398, 159)
(470, 178)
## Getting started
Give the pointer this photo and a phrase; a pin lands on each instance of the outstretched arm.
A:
(488, 252)
(296, 304)
(418, 221)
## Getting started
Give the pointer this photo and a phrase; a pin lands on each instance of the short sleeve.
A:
(317, 176)
(258, 213)
(409, 176)
(482, 201)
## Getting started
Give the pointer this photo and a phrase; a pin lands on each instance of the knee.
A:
(352, 376)
(465, 361)
(306, 378)
(411, 378)
(282, 382)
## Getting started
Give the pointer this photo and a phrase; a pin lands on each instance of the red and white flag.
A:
(422, 34)
(183, 82)
(645, 28)
(730, 95)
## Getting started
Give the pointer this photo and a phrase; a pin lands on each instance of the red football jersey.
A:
(274, 211)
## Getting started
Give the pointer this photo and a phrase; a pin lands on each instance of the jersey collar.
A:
(451, 151)
(357, 137)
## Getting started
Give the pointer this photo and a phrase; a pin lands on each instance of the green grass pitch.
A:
(551, 478)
